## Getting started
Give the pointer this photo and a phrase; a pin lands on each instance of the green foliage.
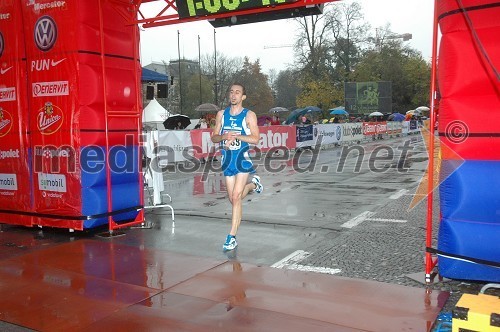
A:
(259, 94)
(192, 96)
(287, 89)
(319, 92)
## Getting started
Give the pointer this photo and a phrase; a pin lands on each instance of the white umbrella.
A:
(376, 114)
(278, 110)
(207, 107)
(422, 109)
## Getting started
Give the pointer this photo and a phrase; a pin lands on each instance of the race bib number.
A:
(235, 145)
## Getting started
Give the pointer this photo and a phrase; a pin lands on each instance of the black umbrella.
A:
(172, 121)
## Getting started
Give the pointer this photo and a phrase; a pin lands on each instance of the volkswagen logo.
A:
(1, 44)
(45, 33)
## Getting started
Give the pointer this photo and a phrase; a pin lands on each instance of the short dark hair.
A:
(244, 90)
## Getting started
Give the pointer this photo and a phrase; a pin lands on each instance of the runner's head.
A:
(237, 93)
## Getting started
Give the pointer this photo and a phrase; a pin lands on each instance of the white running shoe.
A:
(258, 186)
(230, 243)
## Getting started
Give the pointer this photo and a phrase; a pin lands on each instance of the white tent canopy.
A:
(154, 113)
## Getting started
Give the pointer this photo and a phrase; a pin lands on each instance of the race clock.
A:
(193, 8)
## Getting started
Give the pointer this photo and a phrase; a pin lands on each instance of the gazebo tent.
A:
(154, 114)
(152, 76)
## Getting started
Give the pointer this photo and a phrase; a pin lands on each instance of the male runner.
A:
(235, 129)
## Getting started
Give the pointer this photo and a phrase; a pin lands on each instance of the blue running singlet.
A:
(235, 158)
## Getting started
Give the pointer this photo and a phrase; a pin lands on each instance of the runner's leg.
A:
(248, 188)
(237, 185)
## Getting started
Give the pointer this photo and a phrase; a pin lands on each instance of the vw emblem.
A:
(1, 44)
(45, 33)
(339, 133)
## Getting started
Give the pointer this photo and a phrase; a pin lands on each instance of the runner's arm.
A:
(216, 137)
(254, 136)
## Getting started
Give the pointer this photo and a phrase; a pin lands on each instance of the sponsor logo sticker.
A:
(5, 122)
(50, 89)
(49, 5)
(45, 33)
(1, 44)
(49, 119)
(45, 64)
(52, 182)
(8, 181)
(7, 94)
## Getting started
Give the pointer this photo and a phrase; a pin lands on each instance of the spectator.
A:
(275, 121)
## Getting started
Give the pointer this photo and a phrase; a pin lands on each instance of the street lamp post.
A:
(199, 66)
(215, 70)
(180, 82)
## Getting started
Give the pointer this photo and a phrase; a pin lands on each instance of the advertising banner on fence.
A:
(330, 133)
(374, 128)
(270, 137)
(174, 146)
(305, 136)
(276, 136)
(394, 127)
(202, 143)
(352, 132)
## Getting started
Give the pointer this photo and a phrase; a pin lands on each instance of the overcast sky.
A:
(160, 43)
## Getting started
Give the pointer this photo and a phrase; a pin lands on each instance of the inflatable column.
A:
(469, 122)
(15, 175)
(83, 90)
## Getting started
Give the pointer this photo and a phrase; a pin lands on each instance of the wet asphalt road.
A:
(341, 210)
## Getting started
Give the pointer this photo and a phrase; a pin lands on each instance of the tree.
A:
(286, 88)
(259, 94)
(226, 70)
(192, 94)
(311, 46)
(404, 67)
(348, 31)
(319, 92)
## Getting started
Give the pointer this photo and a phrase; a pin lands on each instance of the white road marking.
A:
(386, 220)
(316, 269)
(290, 262)
(357, 220)
(398, 194)
(293, 258)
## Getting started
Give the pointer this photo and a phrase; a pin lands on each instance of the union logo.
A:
(49, 119)
(5, 122)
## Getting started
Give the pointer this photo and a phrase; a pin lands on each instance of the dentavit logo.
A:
(7, 94)
(50, 5)
(50, 89)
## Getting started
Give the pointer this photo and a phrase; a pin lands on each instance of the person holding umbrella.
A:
(235, 129)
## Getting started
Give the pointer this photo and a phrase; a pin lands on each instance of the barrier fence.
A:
(178, 145)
